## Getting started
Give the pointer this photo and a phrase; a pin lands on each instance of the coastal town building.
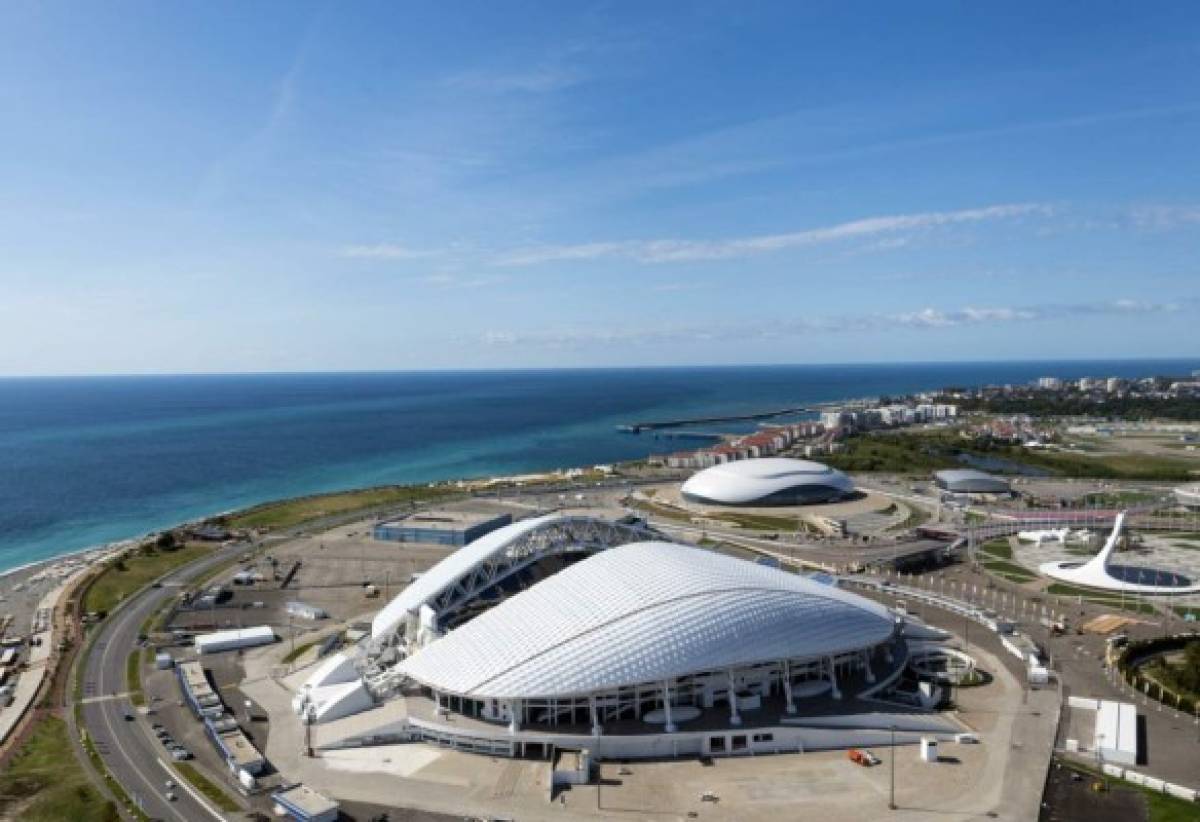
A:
(443, 526)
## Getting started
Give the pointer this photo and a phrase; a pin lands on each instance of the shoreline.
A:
(7, 574)
(486, 479)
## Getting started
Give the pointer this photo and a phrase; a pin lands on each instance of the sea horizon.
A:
(1188, 362)
(94, 460)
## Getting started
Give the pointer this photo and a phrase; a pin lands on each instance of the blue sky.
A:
(290, 186)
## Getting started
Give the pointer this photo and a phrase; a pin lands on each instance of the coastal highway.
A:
(133, 756)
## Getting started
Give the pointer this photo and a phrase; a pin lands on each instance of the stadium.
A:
(561, 632)
(1188, 496)
(970, 481)
(772, 481)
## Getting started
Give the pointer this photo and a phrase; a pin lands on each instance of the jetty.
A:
(639, 427)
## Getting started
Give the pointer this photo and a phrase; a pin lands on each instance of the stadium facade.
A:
(559, 632)
(1188, 496)
(970, 481)
(767, 482)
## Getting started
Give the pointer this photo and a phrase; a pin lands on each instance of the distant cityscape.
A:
(826, 434)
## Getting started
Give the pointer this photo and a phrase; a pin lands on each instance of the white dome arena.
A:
(772, 481)
(641, 614)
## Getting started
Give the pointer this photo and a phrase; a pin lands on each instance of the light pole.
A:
(892, 789)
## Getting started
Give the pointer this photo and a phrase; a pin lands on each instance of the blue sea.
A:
(90, 460)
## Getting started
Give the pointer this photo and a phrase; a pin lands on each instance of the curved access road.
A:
(130, 751)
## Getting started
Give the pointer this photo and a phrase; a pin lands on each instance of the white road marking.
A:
(181, 781)
(116, 738)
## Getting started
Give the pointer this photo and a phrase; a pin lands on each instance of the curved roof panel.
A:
(450, 570)
(645, 612)
(746, 481)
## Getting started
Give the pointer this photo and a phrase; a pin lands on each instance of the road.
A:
(129, 749)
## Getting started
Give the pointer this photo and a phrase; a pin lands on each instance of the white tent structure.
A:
(230, 640)
(1101, 573)
(1062, 535)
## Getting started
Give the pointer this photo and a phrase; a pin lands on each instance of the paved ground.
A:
(1172, 737)
(759, 788)
(973, 780)
(1163, 552)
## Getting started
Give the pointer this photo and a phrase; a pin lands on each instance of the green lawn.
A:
(287, 513)
(203, 784)
(1009, 570)
(758, 522)
(1184, 610)
(114, 787)
(1099, 598)
(916, 516)
(292, 656)
(663, 511)
(1117, 499)
(1162, 808)
(1165, 808)
(46, 775)
(154, 623)
(922, 452)
(133, 677)
(998, 548)
(128, 576)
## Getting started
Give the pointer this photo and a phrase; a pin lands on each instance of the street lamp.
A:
(892, 790)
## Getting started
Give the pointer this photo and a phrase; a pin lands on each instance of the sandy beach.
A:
(22, 589)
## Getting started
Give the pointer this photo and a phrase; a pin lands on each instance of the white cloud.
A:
(448, 280)
(928, 318)
(1164, 217)
(385, 251)
(674, 251)
(533, 81)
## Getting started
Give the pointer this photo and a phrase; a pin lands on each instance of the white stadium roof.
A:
(451, 569)
(644, 612)
(745, 481)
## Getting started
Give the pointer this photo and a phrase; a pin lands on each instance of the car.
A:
(170, 783)
(170, 797)
(181, 754)
(128, 717)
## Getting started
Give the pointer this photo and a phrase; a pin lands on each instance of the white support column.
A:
(787, 688)
(514, 716)
(597, 729)
(670, 726)
(832, 669)
(868, 674)
(734, 719)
